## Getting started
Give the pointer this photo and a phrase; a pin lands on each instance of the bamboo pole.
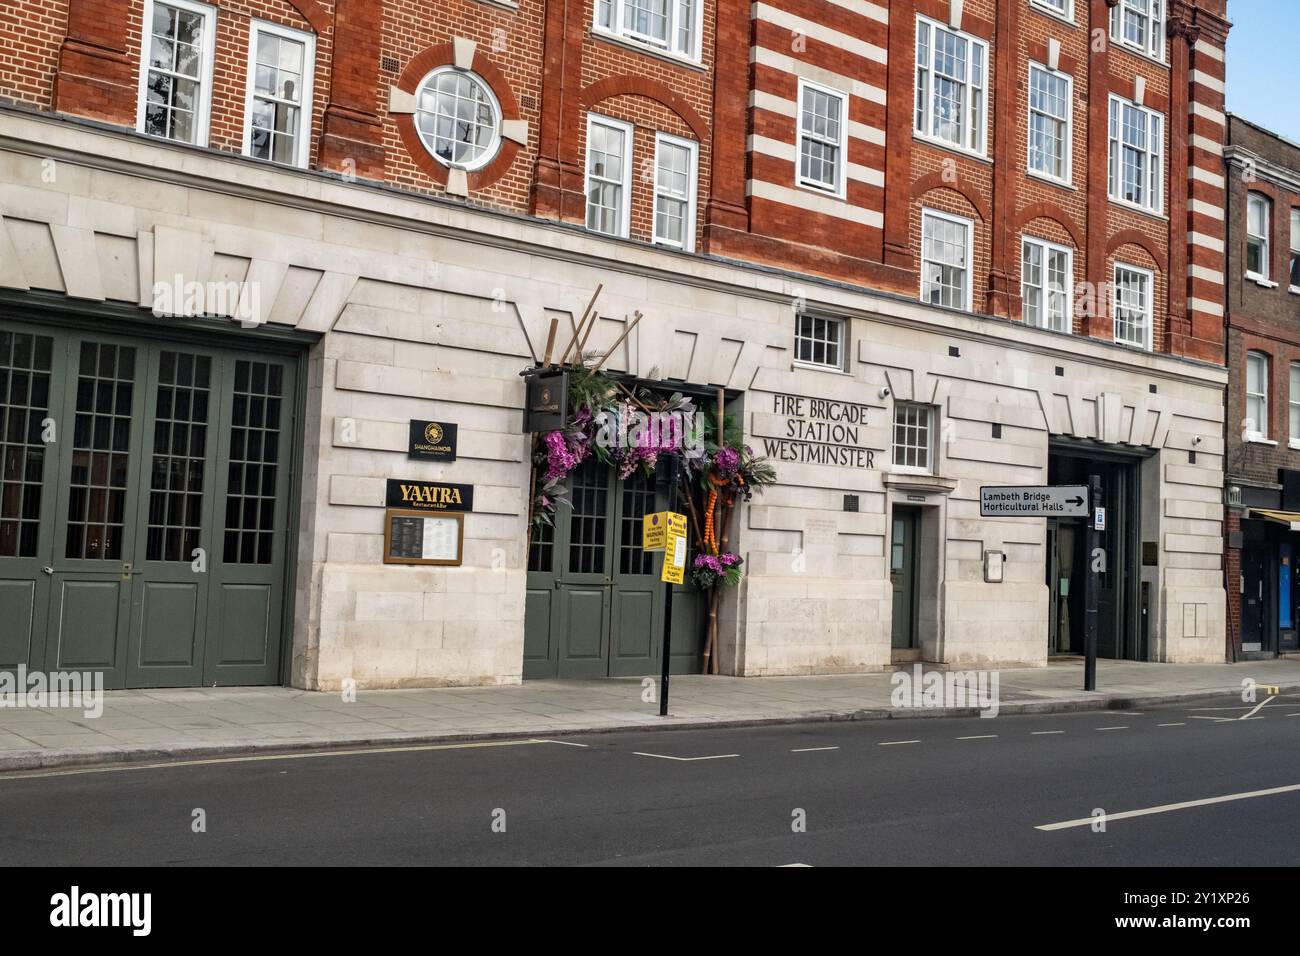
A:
(636, 317)
(578, 326)
(550, 341)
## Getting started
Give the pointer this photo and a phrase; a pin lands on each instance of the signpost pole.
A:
(673, 475)
(1091, 587)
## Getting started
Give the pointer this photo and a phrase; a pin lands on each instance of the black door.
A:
(1255, 561)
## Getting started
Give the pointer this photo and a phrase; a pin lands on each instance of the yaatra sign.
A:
(820, 431)
(429, 495)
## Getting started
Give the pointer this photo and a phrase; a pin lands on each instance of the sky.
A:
(1264, 64)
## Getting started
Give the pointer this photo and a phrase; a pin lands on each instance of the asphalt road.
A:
(926, 792)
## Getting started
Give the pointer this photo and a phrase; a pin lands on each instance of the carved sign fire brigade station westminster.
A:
(820, 431)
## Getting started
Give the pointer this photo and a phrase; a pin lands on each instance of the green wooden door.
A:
(144, 495)
(595, 604)
(27, 492)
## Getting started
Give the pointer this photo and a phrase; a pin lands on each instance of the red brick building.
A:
(725, 87)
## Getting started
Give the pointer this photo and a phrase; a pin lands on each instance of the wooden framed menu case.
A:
(423, 537)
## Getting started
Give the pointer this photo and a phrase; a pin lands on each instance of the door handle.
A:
(48, 570)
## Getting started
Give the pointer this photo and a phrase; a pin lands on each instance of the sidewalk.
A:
(170, 724)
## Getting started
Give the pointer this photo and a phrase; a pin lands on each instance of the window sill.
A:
(1260, 440)
(690, 63)
(511, 5)
(1294, 290)
(945, 145)
(837, 195)
(1294, 444)
(1051, 180)
(1127, 47)
(1124, 203)
(814, 367)
(1261, 281)
(1054, 14)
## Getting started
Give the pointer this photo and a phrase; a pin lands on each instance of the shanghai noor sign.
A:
(819, 431)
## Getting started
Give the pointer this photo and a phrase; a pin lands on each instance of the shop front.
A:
(1270, 588)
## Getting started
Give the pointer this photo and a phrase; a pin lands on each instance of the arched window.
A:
(458, 118)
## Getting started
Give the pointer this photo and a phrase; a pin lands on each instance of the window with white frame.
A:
(675, 177)
(819, 340)
(1294, 402)
(823, 137)
(951, 80)
(1295, 250)
(913, 436)
(1046, 278)
(458, 118)
(277, 115)
(1256, 423)
(1136, 155)
(1139, 24)
(1257, 217)
(1134, 305)
(176, 75)
(670, 25)
(946, 259)
(609, 175)
(1051, 101)
(1062, 8)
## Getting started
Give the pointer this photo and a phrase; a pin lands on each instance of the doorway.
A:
(904, 545)
(1119, 634)
(144, 506)
(595, 604)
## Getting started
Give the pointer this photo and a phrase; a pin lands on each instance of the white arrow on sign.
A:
(1034, 501)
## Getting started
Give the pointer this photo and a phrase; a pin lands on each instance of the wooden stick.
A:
(550, 341)
(574, 341)
(636, 317)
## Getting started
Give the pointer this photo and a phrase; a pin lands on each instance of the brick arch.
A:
(1047, 210)
(936, 181)
(313, 13)
(416, 69)
(1131, 237)
(626, 85)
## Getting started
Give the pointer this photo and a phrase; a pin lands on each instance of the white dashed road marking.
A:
(1042, 733)
(809, 750)
(979, 737)
(895, 743)
(1112, 728)
(1183, 724)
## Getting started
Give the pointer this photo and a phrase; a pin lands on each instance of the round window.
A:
(458, 118)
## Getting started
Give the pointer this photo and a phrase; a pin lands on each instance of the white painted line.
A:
(1256, 710)
(685, 759)
(978, 737)
(1168, 807)
(895, 743)
(809, 750)
(1128, 713)
(1042, 733)
(1219, 719)
(1296, 714)
(567, 743)
(1183, 724)
(782, 866)
(1112, 728)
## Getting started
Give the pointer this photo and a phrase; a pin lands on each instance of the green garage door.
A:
(144, 491)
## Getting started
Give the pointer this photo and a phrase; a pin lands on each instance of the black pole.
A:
(673, 472)
(1091, 588)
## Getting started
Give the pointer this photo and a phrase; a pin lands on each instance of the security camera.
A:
(1197, 440)
(885, 392)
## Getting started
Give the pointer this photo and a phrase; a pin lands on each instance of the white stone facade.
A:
(430, 310)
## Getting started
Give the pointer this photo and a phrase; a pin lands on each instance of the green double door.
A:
(595, 604)
(144, 491)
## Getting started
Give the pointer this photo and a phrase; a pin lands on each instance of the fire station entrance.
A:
(595, 603)
(145, 489)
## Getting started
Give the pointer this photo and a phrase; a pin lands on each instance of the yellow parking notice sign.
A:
(674, 571)
(656, 527)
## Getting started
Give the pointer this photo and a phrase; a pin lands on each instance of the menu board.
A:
(418, 537)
